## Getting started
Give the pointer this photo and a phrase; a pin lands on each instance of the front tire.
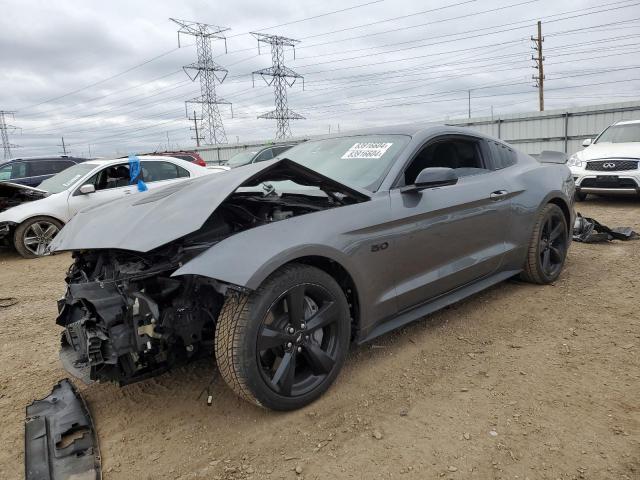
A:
(282, 346)
(33, 236)
(547, 247)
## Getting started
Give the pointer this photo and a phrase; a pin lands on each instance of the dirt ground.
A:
(518, 382)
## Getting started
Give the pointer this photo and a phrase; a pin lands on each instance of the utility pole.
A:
(539, 64)
(63, 146)
(195, 119)
(281, 77)
(211, 128)
(4, 133)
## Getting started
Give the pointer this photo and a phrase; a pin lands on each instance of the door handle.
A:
(498, 195)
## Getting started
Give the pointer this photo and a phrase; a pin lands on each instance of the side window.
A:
(18, 170)
(158, 171)
(5, 172)
(60, 165)
(114, 176)
(265, 155)
(42, 168)
(462, 154)
(503, 156)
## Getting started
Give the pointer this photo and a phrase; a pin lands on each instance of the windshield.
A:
(242, 158)
(360, 161)
(620, 134)
(66, 178)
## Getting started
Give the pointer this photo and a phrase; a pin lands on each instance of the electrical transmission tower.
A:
(4, 133)
(539, 65)
(211, 127)
(281, 78)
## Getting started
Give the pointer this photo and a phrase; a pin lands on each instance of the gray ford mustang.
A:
(277, 266)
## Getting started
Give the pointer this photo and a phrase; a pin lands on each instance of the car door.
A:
(111, 183)
(15, 172)
(451, 235)
(158, 173)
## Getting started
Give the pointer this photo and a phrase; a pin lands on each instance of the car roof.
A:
(114, 161)
(45, 158)
(627, 122)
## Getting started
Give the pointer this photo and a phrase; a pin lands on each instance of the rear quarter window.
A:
(503, 155)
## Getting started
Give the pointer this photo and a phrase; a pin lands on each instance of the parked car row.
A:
(31, 217)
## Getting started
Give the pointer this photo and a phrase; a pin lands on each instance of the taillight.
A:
(200, 162)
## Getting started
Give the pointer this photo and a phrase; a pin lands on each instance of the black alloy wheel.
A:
(297, 346)
(548, 246)
(283, 345)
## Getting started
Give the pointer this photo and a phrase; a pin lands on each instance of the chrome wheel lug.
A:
(306, 337)
(299, 349)
(291, 330)
(303, 326)
(289, 345)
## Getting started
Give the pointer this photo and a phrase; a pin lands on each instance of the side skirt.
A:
(420, 311)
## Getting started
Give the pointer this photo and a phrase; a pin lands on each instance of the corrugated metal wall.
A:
(560, 130)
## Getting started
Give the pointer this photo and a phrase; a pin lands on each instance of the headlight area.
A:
(5, 232)
(125, 319)
(574, 161)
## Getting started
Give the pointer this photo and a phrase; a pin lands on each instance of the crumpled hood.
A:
(599, 151)
(148, 220)
(14, 194)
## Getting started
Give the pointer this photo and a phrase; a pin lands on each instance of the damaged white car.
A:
(610, 165)
(31, 217)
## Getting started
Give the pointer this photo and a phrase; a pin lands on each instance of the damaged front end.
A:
(126, 319)
(12, 195)
(125, 316)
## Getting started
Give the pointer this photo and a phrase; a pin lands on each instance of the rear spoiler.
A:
(550, 156)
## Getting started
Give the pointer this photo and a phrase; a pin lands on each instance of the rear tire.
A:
(547, 247)
(32, 237)
(282, 346)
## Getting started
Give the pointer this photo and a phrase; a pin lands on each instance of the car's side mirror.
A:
(87, 188)
(586, 142)
(433, 177)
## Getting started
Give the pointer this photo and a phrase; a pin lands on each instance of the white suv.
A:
(610, 164)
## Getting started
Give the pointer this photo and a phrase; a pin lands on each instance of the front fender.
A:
(248, 258)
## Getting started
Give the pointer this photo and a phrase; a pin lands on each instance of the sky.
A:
(108, 77)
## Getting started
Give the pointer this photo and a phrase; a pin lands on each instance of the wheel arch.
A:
(566, 210)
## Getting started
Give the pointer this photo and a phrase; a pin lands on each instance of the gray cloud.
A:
(415, 73)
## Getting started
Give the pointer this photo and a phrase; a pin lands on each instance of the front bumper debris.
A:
(588, 230)
(59, 438)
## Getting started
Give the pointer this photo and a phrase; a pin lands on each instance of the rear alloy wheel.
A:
(33, 237)
(282, 346)
(548, 246)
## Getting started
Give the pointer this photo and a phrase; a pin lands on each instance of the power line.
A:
(209, 72)
(281, 78)
(4, 133)
(539, 65)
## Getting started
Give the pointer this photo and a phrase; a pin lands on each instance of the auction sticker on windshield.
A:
(367, 150)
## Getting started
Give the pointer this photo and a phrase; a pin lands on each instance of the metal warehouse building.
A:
(561, 130)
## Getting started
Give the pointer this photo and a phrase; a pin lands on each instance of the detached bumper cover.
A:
(59, 438)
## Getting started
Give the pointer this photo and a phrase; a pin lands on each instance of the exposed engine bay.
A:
(13, 194)
(127, 319)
